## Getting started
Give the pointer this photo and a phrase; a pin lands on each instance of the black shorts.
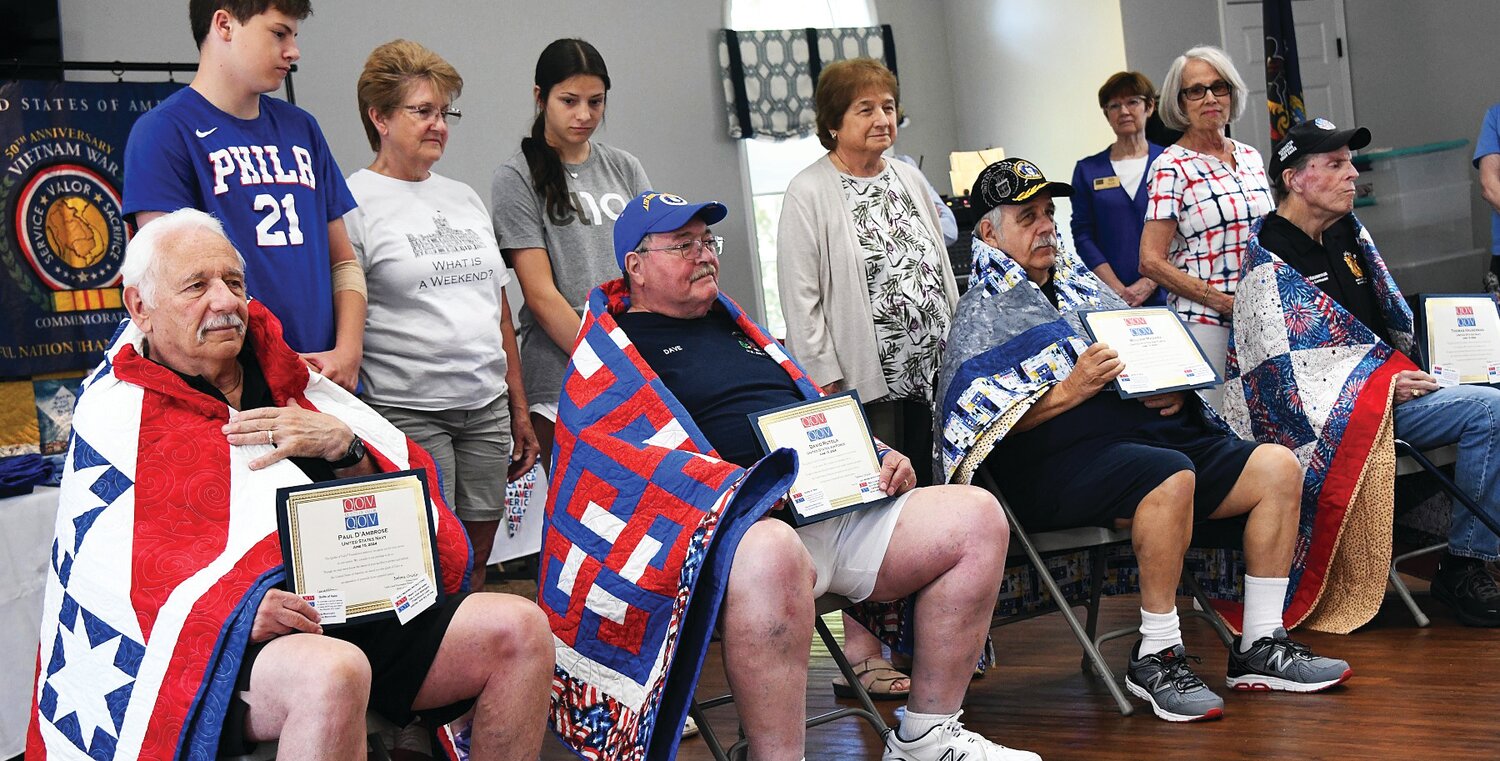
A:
(400, 657)
(1110, 482)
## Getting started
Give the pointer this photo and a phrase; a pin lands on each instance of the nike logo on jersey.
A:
(260, 165)
(205, 132)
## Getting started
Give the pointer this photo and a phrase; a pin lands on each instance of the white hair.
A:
(139, 268)
(996, 218)
(1170, 109)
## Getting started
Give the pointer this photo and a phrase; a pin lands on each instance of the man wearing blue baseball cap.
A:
(662, 381)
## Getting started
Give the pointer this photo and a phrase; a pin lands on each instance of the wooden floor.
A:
(1416, 694)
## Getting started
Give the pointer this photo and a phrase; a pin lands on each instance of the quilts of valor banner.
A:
(62, 233)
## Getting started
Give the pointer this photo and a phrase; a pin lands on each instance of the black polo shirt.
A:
(1337, 265)
(718, 374)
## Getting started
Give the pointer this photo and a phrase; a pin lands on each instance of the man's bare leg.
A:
(1270, 490)
(498, 650)
(949, 549)
(767, 621)
(309, 692)
(1160, 532)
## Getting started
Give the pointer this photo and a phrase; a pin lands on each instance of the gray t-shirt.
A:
(580, 247)
(436, 279)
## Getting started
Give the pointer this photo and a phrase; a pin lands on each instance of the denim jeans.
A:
(1469, 416)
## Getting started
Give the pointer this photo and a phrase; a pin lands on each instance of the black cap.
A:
(1316, 136)
(1011, 181)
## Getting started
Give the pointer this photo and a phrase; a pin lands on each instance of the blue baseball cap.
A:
(653, 212)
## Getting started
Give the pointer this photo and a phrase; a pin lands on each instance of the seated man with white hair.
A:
(166, 632)
(1024, 396)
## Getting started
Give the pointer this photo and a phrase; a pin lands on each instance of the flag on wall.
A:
(1283, 73)
(62, 233)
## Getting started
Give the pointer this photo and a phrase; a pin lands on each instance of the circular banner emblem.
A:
(70, 229)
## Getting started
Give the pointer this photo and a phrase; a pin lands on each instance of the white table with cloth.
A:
(26, 524)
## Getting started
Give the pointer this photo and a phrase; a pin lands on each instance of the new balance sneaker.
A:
(1278, 663)
(1167, 682)
(1464, 585)
(949, 741)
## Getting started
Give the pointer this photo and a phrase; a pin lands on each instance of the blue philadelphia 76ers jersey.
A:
(271, 181)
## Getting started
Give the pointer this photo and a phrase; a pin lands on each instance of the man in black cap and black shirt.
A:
(1077, 454)
(1314, 230)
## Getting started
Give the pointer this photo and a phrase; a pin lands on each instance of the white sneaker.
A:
(689, 727)
(949, 741)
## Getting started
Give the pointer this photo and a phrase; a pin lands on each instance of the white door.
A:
(1322, 50)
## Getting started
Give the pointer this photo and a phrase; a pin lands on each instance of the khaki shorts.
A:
(472, 450)
(847, 551)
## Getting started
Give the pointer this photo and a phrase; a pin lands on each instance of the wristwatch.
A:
(352, 456)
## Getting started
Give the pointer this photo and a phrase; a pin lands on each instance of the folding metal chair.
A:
(866, 710)
(1094, 541)
(1410, 460)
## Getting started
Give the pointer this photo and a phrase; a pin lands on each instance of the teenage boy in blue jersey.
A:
(262, 167)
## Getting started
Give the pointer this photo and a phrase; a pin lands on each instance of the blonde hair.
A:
(1171, 111)
(389, 73)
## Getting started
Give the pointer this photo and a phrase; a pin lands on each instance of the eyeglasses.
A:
(1196, 92)
(689, 250)
(426, 113)
(1121, 105)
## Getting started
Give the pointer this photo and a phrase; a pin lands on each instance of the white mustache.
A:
(228, 320)
(1048, 242)
(702, 271)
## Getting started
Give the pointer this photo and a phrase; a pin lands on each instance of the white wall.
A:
(1026, 78)
(1421, 77)
(926, 85)
(666, 106)
(1157, 31)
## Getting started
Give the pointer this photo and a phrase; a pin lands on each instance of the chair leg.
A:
(706, 731)
(1458, 494)
(1045, 576)
(867, 710)
(1400, 586)
(1208, 613)
(1096, 590)
(1406, 598)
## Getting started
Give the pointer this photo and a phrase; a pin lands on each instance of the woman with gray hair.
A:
(1206, 192)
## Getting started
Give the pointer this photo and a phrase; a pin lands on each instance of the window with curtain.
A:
(773, 162)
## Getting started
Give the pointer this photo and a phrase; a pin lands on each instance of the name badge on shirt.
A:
(1105, 183)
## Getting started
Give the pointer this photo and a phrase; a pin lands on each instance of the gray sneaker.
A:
(1167, 682)
(1277, 663)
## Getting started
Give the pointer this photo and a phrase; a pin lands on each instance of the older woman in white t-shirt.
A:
(441, 361)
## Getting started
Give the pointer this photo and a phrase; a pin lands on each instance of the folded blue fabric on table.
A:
(20, 473)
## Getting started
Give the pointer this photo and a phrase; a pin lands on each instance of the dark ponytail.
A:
(560, 60)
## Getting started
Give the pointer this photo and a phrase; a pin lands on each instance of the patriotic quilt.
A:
(1304, 373)
(166, 542)
(642, 522)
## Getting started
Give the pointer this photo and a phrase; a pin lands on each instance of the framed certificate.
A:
(838, 471)
(1461, 338)
(368, 543)
(1159, 354)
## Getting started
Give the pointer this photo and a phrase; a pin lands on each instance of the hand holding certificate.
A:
(838, 469)
(1463, 338)
(361, 548)
(1159, 354)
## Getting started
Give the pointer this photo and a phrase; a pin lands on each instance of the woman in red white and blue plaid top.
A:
(1206, 192)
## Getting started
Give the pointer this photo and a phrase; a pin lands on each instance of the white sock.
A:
(1263, 601)
(1159, 631)
(914, 725)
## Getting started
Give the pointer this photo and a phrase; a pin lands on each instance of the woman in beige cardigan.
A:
(866, 288)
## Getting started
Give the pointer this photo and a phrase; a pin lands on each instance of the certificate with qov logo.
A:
(838, 470)
(363, 548)
(1463, 338)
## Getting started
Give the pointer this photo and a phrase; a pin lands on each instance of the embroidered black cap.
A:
(1011, 181)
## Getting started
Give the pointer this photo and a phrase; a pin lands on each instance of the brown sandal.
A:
(878, 676)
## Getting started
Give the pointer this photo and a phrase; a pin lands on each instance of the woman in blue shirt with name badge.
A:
(1109, 200)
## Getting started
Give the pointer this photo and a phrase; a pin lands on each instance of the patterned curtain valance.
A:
(769, 75)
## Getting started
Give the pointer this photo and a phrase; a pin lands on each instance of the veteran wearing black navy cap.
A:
(1314, 230)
